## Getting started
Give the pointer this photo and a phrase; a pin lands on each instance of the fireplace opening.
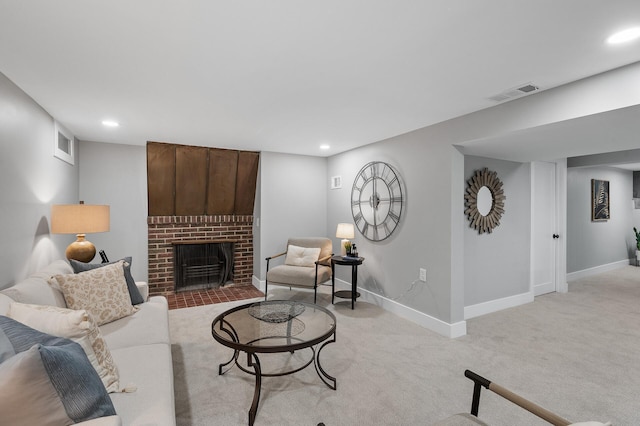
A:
(202, 265)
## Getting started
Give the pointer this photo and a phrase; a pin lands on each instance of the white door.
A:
(544, 237)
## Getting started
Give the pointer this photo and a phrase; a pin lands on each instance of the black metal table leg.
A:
(354, 284)
(255, 363)
(333, 281)
(324, 376)
(231, 332)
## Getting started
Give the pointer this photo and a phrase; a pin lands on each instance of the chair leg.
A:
(315, 294)
(266, 280)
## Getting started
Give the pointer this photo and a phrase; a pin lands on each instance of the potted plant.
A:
(347, 247)
(637, 244)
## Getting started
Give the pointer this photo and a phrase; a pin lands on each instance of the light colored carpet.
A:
(576, 354)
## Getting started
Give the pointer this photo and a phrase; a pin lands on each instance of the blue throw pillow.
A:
(16, 337)
(134, 293)
(47, 383)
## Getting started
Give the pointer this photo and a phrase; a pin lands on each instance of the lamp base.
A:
(81, 250)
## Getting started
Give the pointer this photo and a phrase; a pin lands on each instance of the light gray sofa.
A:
(139, 344)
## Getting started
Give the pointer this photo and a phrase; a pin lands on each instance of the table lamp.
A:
(79, 219)
(345, 231)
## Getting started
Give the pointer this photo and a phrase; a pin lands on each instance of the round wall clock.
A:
(376, 201)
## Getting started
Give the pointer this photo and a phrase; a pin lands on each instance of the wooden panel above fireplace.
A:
(188, 181)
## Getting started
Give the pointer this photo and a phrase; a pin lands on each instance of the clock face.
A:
(376, 201)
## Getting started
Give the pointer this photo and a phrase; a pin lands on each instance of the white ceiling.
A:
(288, 75)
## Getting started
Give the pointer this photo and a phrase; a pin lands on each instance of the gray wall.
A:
(290, 201)
(31, 180)
(116, 175)
(423, 239)
(497, 264)
(294, 195)
(591, 244)
(293, 202)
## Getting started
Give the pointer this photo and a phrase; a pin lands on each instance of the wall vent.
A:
(336, 182)
(515, 92)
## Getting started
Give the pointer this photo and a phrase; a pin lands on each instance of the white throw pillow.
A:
(102, 292)
(77, 326)
(302, 256)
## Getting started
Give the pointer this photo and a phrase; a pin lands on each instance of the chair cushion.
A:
(326, 247)
(302, 256)
(297, 277)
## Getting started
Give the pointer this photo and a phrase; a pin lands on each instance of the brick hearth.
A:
(164, 230)
(189, 299)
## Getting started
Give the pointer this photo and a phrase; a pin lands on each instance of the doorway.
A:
(547, 242)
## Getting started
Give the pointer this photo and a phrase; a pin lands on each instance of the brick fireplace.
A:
(164, 231)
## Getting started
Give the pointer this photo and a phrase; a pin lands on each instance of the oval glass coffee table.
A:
(270, 327)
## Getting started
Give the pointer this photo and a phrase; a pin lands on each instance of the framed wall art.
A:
(600, 200)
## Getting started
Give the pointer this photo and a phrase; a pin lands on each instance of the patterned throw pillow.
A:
(134, 293)
(102, 292)
(78, 326)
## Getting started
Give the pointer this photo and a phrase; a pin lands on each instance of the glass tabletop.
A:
(273, 326)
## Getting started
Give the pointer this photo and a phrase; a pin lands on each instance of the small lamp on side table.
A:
(345, 231)
(79, 219)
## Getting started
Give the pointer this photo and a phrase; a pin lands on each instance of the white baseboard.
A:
(598, 269)
(427, 321)
(257, 283)
(484, 308)
(434, 324)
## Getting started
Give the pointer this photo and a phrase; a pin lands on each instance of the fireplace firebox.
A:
(202, 264)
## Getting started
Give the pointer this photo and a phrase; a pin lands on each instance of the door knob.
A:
(556, 236)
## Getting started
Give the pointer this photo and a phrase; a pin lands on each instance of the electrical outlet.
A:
(423, 274)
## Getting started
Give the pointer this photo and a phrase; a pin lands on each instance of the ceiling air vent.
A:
(515, 92)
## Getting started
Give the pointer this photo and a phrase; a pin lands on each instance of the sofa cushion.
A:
(16, 337)
(5, 302)
(149, 325)
(302, 256)
(104, 421)
(35, 288)
(102, 292)
(134, 293)
(148, 368)
(52, 385)
(76, 325)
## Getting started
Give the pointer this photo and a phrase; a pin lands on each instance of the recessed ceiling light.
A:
(624, 36)
(110, 123)
(324, 146)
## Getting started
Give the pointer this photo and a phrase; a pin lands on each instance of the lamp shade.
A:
(345, 230)
(79, 218)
